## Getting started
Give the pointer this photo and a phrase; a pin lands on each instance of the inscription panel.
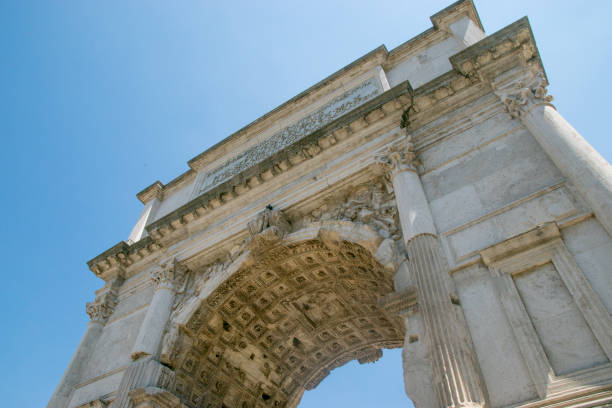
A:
(291, 134)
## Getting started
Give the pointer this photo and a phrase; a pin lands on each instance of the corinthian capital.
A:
(168, 275)
(520, 96)
(104, 305)
(399, 157)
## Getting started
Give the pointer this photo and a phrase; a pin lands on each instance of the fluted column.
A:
(582, 165)
(146, 370)
(99, 311)
(152, 329)
(456, 374)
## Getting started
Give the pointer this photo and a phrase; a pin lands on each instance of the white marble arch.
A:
(382, 250)
(332, 234)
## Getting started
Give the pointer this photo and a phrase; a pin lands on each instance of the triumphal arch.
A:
(429, 197)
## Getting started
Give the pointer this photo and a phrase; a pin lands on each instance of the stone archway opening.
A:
(379, 384)
(282, 322)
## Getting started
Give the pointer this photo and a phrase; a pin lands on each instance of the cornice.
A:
(388, 103)
(361, 65)
(151, 192)
(443, 18)
(498, 52)
(474, 69)
(178, 182)
(161, 232)
(527, 240)
(424, 40)
(112, 263)
(379, 56)
(109, 262)
(510, 47)
(439, 32)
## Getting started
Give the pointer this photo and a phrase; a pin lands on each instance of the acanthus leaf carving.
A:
(103, 307)
(169, 275)
(521, 96)
(399, 157)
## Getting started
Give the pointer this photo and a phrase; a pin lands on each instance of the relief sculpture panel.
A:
(291, 134)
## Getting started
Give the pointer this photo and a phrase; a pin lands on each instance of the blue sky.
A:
(100, 99)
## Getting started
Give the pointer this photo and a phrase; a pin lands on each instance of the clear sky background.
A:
(101, 98)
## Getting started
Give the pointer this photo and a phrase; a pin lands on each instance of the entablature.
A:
(473, 69)
(379, 57)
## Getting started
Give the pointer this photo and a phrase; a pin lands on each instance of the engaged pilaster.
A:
(103, 307)
(456, 374)
(526, 98)
(165, 278)
(99, 311)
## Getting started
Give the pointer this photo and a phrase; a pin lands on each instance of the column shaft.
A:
(586, 169)
(143, 373)
(152, 328)
(454, 366)
(415, 216)
(456, 374)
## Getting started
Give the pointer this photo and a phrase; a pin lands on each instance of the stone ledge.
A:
(379, 55)
(300, 151)
(489, 50)
(517, 244)
(149, 193)
(404, 303)
(515, 43)
(457, 9)
(153, 397)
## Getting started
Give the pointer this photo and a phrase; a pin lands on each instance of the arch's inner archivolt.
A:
(277, 327)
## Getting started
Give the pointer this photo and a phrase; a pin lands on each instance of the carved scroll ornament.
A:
(103, 307)
(169, 275)
(399, 157)
(519, 98)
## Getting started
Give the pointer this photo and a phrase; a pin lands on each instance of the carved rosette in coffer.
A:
(278, 326)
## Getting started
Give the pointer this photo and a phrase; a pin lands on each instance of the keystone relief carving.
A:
(236, 328)
(267, 229)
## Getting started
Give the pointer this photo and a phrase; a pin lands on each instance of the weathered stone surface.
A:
(278, 326)
(428, 197)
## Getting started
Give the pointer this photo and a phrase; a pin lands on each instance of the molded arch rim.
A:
(299, 308)
(357, 233)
